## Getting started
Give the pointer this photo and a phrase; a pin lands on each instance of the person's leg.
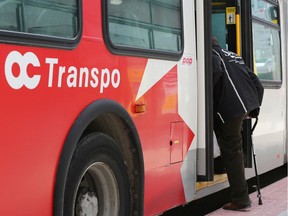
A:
(218, 160)
(230, 141)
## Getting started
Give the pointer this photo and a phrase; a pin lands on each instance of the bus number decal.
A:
(187, 61)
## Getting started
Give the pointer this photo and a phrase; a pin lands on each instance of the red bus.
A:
(106, 106)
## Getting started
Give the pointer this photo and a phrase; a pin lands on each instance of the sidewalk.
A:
(274, 198)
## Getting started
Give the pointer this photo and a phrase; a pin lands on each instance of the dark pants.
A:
(230, 141)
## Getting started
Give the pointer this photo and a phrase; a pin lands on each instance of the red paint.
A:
(35, 122)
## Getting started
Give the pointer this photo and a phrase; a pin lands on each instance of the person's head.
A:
(215, 41)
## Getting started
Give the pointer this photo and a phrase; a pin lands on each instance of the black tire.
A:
(98, 182)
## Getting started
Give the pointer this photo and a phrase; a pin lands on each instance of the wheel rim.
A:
(97, 192)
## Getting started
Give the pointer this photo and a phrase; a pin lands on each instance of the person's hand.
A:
(254, 113)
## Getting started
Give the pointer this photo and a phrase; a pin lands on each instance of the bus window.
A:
(141, 25)
(224, 30)
(266, 40)
(219, 22)
(56, 18)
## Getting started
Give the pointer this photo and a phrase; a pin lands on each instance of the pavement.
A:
(274, 199)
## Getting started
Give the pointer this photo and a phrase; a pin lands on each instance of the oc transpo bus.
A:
(106, 105)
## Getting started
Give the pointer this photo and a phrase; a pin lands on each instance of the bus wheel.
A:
(98, 182)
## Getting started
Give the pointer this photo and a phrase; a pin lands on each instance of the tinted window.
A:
(57, 18)
(266, 40)
(265, 10)
(145, 24)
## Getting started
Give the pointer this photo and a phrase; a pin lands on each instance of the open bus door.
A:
(234, 32)
(226, 26)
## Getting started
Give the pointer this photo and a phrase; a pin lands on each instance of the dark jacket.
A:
(237, 90)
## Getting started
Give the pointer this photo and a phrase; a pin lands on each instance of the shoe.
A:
(236, 206)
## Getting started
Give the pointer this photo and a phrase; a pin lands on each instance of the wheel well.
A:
(114, 126)
(111, 118)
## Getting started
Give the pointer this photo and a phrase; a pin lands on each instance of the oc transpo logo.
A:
(23, 79)
(57, 75)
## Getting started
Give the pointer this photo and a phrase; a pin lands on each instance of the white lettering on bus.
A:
(51, 62)
(69, 76)
(115, 78)
(23, 79)
(82, 77)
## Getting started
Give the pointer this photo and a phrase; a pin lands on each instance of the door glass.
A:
(266, 40)
(218, 22)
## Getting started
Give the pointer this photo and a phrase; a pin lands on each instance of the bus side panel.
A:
(36, 117)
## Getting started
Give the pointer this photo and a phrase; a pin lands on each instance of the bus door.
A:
(226, 27)
(222, 20)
